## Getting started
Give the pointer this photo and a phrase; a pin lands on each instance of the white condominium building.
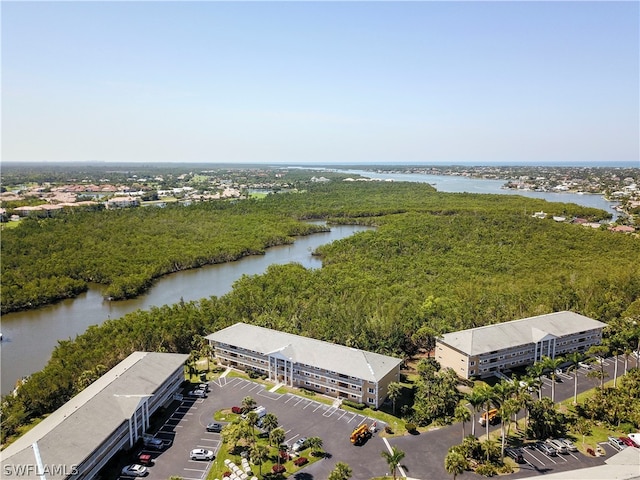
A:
(298, 361)
(480, 352)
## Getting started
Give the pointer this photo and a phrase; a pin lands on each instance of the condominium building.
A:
(480, 352)
(298, 361)
(112, 414)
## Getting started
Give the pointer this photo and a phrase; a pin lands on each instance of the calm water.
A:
(30, 337)
(458, 184)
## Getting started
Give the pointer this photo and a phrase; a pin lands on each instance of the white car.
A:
(198, 392)
(299, 445)
(201, 454)
(135, 470)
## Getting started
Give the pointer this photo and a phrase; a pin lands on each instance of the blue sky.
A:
(321, 82)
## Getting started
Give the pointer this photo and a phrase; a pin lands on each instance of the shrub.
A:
(411, 427)
(298, 462)
(388, 429)
(591, 452)
(226, 474)
(356, 405)
(486, 470)
(278, 469)
(236, 410)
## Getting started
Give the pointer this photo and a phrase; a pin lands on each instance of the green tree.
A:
(599, 352)
(462, 415)
(455, 463)
(393, 459)
(575, 359)
(248, 404)
(259, 454)
(315, 444)
(277, 436)
(551, 365)
(476, 401)
(341, 471)
(269, 422)
(394, 390)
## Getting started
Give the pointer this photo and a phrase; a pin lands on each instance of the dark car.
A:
(516, 454)
(214, 427)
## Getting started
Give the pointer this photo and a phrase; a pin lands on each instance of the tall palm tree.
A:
(575, 358)
(269, 422)
(502, 392)
(393, 392)
(393, 458)
(475, 400)
(537, 371)
(259, 454)
(277, 436)
(455, 463)
(599, 351)
(486, 394)
(341, 471)
(315, 444)
(462, 414)
(551, 365)
(248, 403)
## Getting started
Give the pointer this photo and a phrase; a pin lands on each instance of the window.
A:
(371, 390)
(371, 400)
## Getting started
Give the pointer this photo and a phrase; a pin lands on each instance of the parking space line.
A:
(537, 459)
(310, 403)
(319, 406)
(330, 412)
(291, 397)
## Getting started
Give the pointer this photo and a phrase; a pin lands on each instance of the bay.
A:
(29, 337)
(460, 184)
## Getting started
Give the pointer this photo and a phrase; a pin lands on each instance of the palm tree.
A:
(486, 394)
(341, 471)
(259, 454)
(393, 392)
(315, 444)
(393, 458)
(248, 404)
(455, 463)
(552, 364)
(599, 351)
(269, 422)
(502, 392)
(462, 414)
(575, 358)
(475, 400)
(537, 371)
(277, 436)
(252, 421)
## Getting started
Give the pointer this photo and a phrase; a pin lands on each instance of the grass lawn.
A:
(218, 467)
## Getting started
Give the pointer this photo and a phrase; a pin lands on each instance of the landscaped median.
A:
(241, 441)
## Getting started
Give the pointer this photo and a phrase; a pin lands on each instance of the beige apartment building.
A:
(297, 361)
(482, 351)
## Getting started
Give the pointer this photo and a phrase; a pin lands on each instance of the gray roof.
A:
(624, 465)
(70, 434)
(308, 351)
(477, 341)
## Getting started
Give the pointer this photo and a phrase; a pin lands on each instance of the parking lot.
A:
(185, 429)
